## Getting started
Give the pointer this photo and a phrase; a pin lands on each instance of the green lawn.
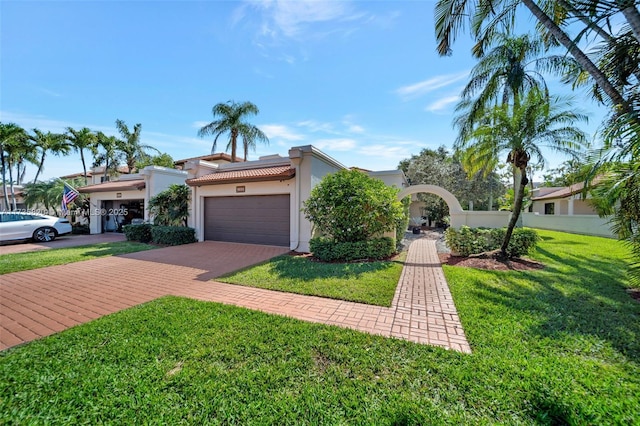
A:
(15, 262)
(371, 282)
(557, 346)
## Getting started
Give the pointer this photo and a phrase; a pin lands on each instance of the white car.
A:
(39, 227)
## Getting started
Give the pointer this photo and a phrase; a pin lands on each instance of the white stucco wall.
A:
(576, 224)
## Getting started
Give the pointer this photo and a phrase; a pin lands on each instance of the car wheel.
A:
(44, 234)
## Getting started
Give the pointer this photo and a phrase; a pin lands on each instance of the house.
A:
(261, 201)
(120, 200)
(567, 200)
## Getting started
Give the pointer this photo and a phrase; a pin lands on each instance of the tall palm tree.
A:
(80, 140)
(232, 120)
(110, 155)
(130, 145)
(17, 150)
(9, 134)
(521, 130)
(48, 142)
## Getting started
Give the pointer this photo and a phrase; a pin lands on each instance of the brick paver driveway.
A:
(44, 301)
(60, 242)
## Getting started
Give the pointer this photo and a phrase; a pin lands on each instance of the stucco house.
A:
(567, 200)
(120, 200)
(261, 201)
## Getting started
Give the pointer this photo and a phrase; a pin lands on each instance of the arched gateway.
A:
(455, 209)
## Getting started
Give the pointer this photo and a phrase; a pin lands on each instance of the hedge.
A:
(173, 235)
(467, 241)
(166, 235)
(140, 233)
(329, 250)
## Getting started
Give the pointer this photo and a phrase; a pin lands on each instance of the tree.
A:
(80, 140)
(10, 133)
(350, 206)
(232, 120)
(48, 142)
(110, 156)
(171, 206)
(163, 160)
(130, 145)
(521, 130)
(17, 149)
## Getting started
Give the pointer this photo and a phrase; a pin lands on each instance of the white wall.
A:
(576, 224)
(480, 219)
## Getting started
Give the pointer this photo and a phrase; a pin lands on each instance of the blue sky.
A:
(360, 80)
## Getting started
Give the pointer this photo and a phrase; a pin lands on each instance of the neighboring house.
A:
(261, 201)
(18, 192)
(121, 199)
(568, 200)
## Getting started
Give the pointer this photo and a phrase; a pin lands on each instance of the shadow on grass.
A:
(573, 299)
(303, 268)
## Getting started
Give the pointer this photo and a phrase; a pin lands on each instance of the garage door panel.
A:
(248, 219)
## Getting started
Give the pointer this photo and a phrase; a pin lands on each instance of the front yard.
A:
(554, 346)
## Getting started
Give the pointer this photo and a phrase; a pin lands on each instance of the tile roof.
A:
(562, 192)
(248, 175)
(118, 185)
(210, 157)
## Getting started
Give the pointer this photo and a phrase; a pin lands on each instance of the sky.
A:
(360, 80)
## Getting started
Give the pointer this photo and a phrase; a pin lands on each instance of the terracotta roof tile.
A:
(118, 185)
(248, 175)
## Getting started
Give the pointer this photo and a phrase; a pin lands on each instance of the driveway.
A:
(60, 242)
(44, 301)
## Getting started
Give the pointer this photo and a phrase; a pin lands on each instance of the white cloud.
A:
(199, 124)
(315, 126)
(279, 131)
(336, 144)
(423, 87)
(442, 103)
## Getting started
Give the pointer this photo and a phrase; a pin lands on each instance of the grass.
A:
(373, 283)
(557, 346)
(15, 262)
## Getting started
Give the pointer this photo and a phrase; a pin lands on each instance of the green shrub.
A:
(329, 250)
(403, 221)
(467, 241)
(140, 233)
(172, 235)
(349, 206)
(79, 229)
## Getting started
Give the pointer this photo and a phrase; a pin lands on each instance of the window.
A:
(549, 208)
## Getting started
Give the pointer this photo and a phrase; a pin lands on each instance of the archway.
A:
(449, 198)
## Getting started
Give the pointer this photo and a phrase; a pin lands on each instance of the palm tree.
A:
(130, 145)
(488, 18)
(110, 156)
(17, 148)
(80, 140)
(521, 130)
(9, 134)
(232, 120)
(512, 67)
(53, 142)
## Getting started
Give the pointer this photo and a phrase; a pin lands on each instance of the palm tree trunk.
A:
(14, 206)
(84, 166)
(584, 61)
(35, 179)
(4, 179)
(632, 15)
(517, 207)
(234, 144)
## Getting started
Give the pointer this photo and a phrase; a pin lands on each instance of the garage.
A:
(256, 219)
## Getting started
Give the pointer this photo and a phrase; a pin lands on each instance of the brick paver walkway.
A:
(44, 301)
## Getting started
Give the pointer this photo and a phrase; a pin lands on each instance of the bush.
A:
(350, 206)
(403, 222)
(467, 241)
(79, 229)
(140, 233)
(329, 250)
(172, 235)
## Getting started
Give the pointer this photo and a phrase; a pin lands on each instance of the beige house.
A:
(567, 200)
(122, 199)
(260, 201)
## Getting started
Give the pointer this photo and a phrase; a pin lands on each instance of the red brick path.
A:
(44, 301)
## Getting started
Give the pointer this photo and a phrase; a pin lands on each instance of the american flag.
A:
(68, 195)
